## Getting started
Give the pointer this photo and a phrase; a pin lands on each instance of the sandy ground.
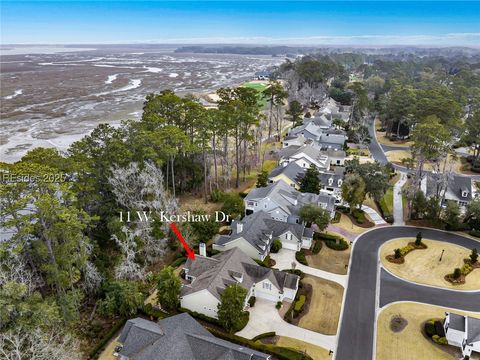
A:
(330, 260)
(410, 343)
(396, 156)
(422, 266)
(316, 352)
(325, 306)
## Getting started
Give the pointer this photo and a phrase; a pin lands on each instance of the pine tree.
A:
(310, 182)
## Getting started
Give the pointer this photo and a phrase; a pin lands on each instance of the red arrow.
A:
(190, 253)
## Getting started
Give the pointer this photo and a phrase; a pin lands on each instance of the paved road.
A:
(378, 152)
(356, 337)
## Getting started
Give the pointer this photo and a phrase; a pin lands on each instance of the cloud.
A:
(457, 39)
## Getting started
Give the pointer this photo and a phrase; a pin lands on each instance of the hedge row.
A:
(281, 353)
(300, 257)
(93, 354)
(317, 246)
(178, 261)
(475, 233)
(264, 335)
(359, 215)
(149, 310)
(331, 241)
(336, 218)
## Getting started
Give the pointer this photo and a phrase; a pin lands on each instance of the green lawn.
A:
(259, 87)
(387, 202)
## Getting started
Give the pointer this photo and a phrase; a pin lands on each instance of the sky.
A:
(258, 22)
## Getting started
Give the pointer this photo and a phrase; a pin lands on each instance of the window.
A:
(267, 286)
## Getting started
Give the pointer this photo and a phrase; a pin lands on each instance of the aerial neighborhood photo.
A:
(239, 180)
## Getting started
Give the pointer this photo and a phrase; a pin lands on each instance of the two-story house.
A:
(305, 156)
(255, 233)
(463, 332)
(459, 189)
(209, 276)
(282, 202)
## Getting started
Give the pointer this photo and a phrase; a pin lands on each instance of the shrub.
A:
(300, 257)
(296, 272)
(457, 273)
(418, 240)
(341, 245)
(150, 311)
(264, 335)
(216, 196)
(278, 305)
(466, 269)
(299, 304)
(440, 340)
(398, 253)
(251, 301)
(178, 261)
(201, 316)
(336, 218)
(430, 328)
(276, 246)
(233, 205)
(317, 246)
(474, 256)
(359, 215)
(475, 233)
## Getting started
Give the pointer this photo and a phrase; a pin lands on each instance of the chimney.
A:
(202, 249)
(239, 227)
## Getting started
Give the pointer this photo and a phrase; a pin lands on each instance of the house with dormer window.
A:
(463, 332)
(208, 277)
(255, 233)
(459, 189)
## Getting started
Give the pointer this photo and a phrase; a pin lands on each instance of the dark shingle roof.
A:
(180, 338)
(473, 330)
(457, 322)
(292, 171)
(233, 260)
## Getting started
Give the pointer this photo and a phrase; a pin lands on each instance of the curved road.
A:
(356, 337)
(378, 151)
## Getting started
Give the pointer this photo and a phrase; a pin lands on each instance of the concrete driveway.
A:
(398, 201)
(284, 259)
(376, 218)
(264, 317)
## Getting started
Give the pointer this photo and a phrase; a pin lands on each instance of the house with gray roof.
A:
(331, 183)
(294, 140)
(208, 277)
(178, 337)
(255, 233)
(463, 332)
(308, 130)
(459, 189)
(291, 173)
(305, 156)
(283, 203)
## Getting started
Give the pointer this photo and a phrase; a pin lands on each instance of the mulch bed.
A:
(476, 265)
(398, 323)
(306, 290)
(366, 224)
(393, 259)
(459, 281)
(422, 246)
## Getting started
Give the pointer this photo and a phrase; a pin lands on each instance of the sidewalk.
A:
(397, 200)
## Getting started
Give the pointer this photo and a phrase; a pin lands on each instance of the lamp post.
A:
(441, 255)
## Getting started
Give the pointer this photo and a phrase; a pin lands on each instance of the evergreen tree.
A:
(168, 288)
(230, 309)
(310, 183)
(262, 179)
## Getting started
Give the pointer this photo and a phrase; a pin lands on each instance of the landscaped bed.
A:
(425, 267)
(411, 342)
(315, 352)
(321, 310)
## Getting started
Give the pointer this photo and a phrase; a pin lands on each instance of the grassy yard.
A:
(330, 260)
(325, 305)
(315, 352)
(259, 87)
(387, 202)
(424, 267)
(346, 224)
(410, 343)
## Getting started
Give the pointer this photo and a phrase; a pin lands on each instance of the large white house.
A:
(463, 332)
(283, 203)
(255, 233)
(459, 189)
(208, 277)
(305, 156)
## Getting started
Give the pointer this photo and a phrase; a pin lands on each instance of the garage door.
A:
(289, 245)
(266, 296)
